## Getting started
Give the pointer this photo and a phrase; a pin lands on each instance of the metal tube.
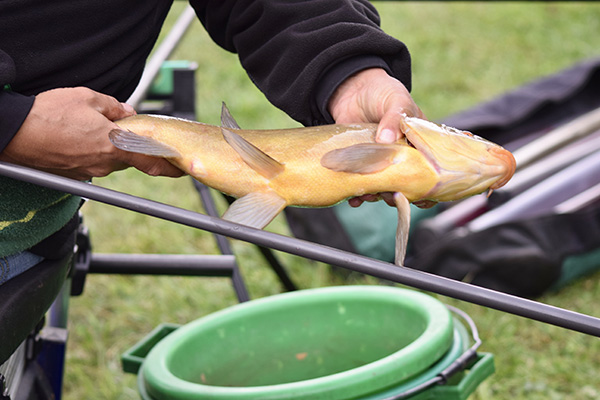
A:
(543, 197)
(163, 52)
(163, 264)
(559, 137)
(579, 201)
(222, 243)
(546, 167)
(417, 279)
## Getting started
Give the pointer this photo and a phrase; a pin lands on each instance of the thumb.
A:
(111, 108)
(388, 130)
(390, 126)
(153, 166)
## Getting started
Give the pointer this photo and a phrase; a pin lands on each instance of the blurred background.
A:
(463, 53)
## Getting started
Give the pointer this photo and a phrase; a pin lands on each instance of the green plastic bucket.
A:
(349, 342)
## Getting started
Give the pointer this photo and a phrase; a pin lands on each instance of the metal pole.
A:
(163, 264)
(544, 196)
(417, 279)
(558, 138)
(163, 51)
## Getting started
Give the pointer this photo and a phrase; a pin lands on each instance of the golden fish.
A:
(320, 166)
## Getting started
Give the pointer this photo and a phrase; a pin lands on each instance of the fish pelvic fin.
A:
(362, 158)
(134, 143)
(256, 209)
(252, 155)
(227, 120)
(403, 229)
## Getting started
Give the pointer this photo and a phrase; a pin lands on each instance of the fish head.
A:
(466, 164)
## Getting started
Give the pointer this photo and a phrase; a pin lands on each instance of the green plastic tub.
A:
(349, 342)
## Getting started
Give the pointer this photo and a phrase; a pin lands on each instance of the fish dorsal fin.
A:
(134, 143)
(252, 155)
(402, 231)
(255, 209)
(362, 158)
(227, 120)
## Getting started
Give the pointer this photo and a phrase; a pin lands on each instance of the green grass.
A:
(463, 53)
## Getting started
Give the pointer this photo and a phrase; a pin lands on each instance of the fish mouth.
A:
(509, 163)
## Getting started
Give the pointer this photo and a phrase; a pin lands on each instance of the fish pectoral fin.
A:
(255, 209)
(134, 143)
(252, 155)
(403, 229)
(362, 158)
(227, 120)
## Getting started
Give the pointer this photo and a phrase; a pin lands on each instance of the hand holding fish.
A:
(66, 132)
(373, 96)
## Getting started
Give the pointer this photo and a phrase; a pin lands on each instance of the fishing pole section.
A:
(407, 276)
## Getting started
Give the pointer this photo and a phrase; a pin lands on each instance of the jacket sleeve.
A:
(14, 107)
(298, 52)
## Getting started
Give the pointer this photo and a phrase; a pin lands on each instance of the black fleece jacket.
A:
(296, 52)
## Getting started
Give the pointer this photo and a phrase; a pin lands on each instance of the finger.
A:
(390, 125)
(388, 197)
(425, 203)
(154, 166)
(110, 107)
(128, 108)
(355, 202)
(388, 130)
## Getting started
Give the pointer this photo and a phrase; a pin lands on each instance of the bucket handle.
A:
(480, 367)
(132, 359)
(478, 372)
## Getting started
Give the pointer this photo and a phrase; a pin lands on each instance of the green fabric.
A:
(372, 227)
(577, 266)
(29, 214)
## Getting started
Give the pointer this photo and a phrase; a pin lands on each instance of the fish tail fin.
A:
(134, 143)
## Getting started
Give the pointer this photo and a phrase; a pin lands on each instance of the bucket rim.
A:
(394, 369)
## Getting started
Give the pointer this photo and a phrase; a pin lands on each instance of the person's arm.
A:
(14, 107)
(65, 131)
(320, 61)
(299, 52)
(13, 111)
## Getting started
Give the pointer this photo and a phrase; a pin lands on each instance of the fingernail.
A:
(386, 136)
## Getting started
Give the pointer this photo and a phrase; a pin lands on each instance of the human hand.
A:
(373, 96)
(66, 133)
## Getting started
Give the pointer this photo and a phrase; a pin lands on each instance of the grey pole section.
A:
(417, 279)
